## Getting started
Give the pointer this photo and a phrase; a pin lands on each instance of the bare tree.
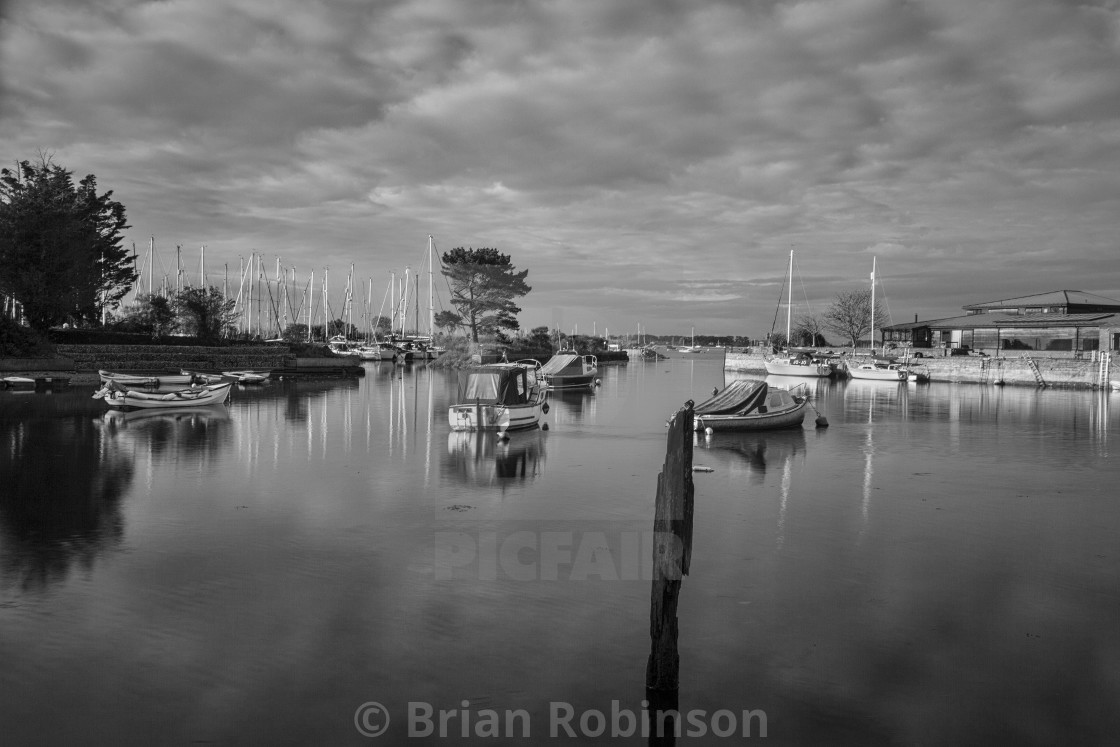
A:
(850, 315)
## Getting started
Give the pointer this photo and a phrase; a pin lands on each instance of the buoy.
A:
(715, 390)
(709, 430)
(544, 408)
(544, 427)
(822, 421)
(503, 436)
(598, 382)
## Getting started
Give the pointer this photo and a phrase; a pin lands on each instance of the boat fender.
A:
(544, 408)
(699, 468)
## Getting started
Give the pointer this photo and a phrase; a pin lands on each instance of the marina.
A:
(314, 545)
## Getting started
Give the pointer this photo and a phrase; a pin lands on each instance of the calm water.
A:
(940, 566)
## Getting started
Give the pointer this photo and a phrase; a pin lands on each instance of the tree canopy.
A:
(205, 312)
(60, 244)
(850, 315)
(484, 284)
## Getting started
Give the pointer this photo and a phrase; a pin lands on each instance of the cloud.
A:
(674, 150)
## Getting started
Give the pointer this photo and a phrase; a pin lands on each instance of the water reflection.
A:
(572, 406)
(198, 430)
(61, 482)
(758, 451)
(483, 458)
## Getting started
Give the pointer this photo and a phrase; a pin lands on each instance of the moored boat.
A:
(146, 378)
(570, 371)
(878, 371)
(499, 397)
(750, 406)
(17, 382)
(801, 364)
(119, 396)
(248, 377)
(202, 377)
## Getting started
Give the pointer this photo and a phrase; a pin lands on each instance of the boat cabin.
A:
(498, 384)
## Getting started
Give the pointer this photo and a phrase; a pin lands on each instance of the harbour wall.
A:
(1059, 372)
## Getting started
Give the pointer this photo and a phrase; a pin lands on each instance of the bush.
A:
(17, 341)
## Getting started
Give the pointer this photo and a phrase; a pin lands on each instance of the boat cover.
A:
(496, 385)
(561, 362)
(738, 398)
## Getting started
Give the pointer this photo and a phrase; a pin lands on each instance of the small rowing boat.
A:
(248, 377)
(118, 396)
(146, 378)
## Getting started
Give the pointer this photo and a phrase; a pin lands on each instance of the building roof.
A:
(998, 319)
(1053, 298)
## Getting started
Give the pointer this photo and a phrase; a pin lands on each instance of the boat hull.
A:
(580, 381)
(786, 368)
(754, 421)
(877, 374)
(145, 378)
(123, 399)
(492, 417)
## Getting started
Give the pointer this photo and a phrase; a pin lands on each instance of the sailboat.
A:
(873, 369)
(691, 348)
(790, 365)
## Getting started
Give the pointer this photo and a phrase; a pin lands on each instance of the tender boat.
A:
(118, 396)
(570, 371)
(202, 377)
(17, 382)
(146, 378)
(750, 406)
(248, 377)
(499, 397)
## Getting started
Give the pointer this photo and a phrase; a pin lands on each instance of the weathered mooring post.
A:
(672, 550)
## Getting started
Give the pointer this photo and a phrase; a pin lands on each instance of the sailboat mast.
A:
(873, 306)
(431, 295)
(789, 298)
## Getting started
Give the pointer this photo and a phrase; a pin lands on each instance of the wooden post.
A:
(672, 551)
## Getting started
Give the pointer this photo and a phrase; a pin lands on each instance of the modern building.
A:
(1064, 322)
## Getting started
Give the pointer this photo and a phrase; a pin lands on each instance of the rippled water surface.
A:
(940, 566)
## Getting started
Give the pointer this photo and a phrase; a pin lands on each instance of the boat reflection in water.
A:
(486, 458)
(756, 451)
(197, 429)
(572, 406)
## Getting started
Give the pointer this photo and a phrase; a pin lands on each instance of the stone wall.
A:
(1062, 372)
(140, 357)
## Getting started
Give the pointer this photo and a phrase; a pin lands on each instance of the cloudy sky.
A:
(648, 161)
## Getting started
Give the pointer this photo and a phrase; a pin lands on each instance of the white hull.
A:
(785, 367)
(868, 372)
(494, 417)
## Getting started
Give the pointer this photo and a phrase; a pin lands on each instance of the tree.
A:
(484, 285)
(807, 330)
(540, 338)
(60, 244)
(850, 315)
(152, 315)
(205, 312)
(448, 320)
